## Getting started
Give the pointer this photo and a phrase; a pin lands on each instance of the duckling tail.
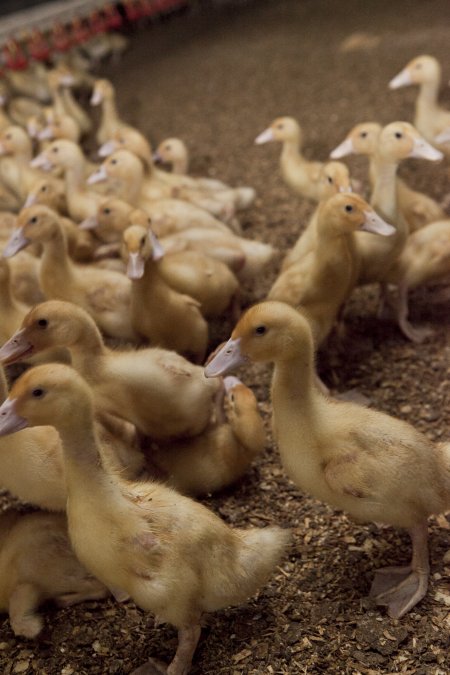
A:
(260, 551)
(244, 197)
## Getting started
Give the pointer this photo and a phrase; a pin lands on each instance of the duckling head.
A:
(269, 331)
(169, 151)
(34, 223)
(343, 213)
(122, 165)
(422, 69)
(361, 140)
(281, 129)
(103, 90)
(62, 152)
(130, 139)
(45, 395)
(139, 246)
(13, 140)
(45, 192)
(334, 177)
(400, 140)
(54, 323)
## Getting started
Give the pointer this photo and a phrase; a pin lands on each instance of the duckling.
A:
(60, 126)
(172, 555)
(105, 294)
(49, 193)
(11, 311)
(173, 151)
(221, 454)
(103, 94)
(430, 119)
(60, 81)
(37, 564)
(81, 202)
(155, 307)
(158, 391)
(322, 280)
(417, 208)
(371, 465)
(334, 178)
(16, 145)
(302, 176)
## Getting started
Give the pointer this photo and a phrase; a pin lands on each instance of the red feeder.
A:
(61, 40)
(113, 18)
(37, 46)
(97, 23)
(133, 11)
(80, 32)
(14, 56)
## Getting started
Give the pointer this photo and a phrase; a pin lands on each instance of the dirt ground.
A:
(217, 79)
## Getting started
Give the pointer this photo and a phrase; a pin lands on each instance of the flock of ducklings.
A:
(117, 438)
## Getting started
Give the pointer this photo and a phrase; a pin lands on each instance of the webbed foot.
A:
(399, 588)
(151, 667)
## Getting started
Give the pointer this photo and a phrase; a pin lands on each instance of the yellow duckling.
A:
(430, 119)
(103, 94)
(174, 152)
(173, 556)
(81, 202)
(334, 178)
(37, 564)
(60, 126)
(155, 307)
(373, 466)
(60, 80)
(220, 455)
(417, 208)
(16, 172)
(160, 392)
(302, 176)
(105, 294)
(322, 280)
(11, 311)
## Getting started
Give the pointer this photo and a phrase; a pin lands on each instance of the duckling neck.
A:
(291, 151)
(384, 195)
(428, 96)
(56, 269)
(82, 455)
(180, 166)
(74, 177)
(110, 115)
(88, 354)
(58, 101)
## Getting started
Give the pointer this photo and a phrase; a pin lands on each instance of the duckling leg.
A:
(181, 664)
(417, 335)
(23, 602)
(401, 588)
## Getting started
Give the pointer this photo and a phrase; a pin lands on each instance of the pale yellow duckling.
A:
(11, 311)
(16, 173)
(221, 454)
(173, 556)
(302, 176)
(373, 466)
(430, 118)
(417, 208)
(156, 308)
(60, 81)
(60, 126)
(334, 178)
(81, 202)
(160, 392)
(103, 94)
(322, 280)
(105, 294)
(173, 151)
(37, 564)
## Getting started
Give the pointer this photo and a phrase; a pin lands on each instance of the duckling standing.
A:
(371, 465)
(173, 556)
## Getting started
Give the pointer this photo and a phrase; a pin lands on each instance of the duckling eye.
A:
(43, 188)
(114, 161)
(348, 208)
(260, 330)
(38, 393)
(330, 180)
(418, 66)
(33, 220)
(106, 212)
(142, 241)
(363, 134)
(8, 136)
(168, 147)
(42, 323)
(280, 126)
(54, 149)
(398, 134)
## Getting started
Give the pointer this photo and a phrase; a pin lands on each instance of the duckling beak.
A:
(403, 79)
(158, 251)
(16, 348)
(228, 358)
(32, 129)
(424, 150)
(157, 157)
(96, 97)
(345, 148)
(443, 137)
(42, 162)
(88, 223)
(45, 134)
(345, 188)
(98, 176)
(265, 137)
(10, 421)
(136, 266)
(107, 148)
(31, 200)
(67, 80)
(373, 223)
(15, 243)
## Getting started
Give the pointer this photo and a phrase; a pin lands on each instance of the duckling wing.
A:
(108, 297)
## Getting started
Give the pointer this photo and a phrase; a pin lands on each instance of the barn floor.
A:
(217, 80)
